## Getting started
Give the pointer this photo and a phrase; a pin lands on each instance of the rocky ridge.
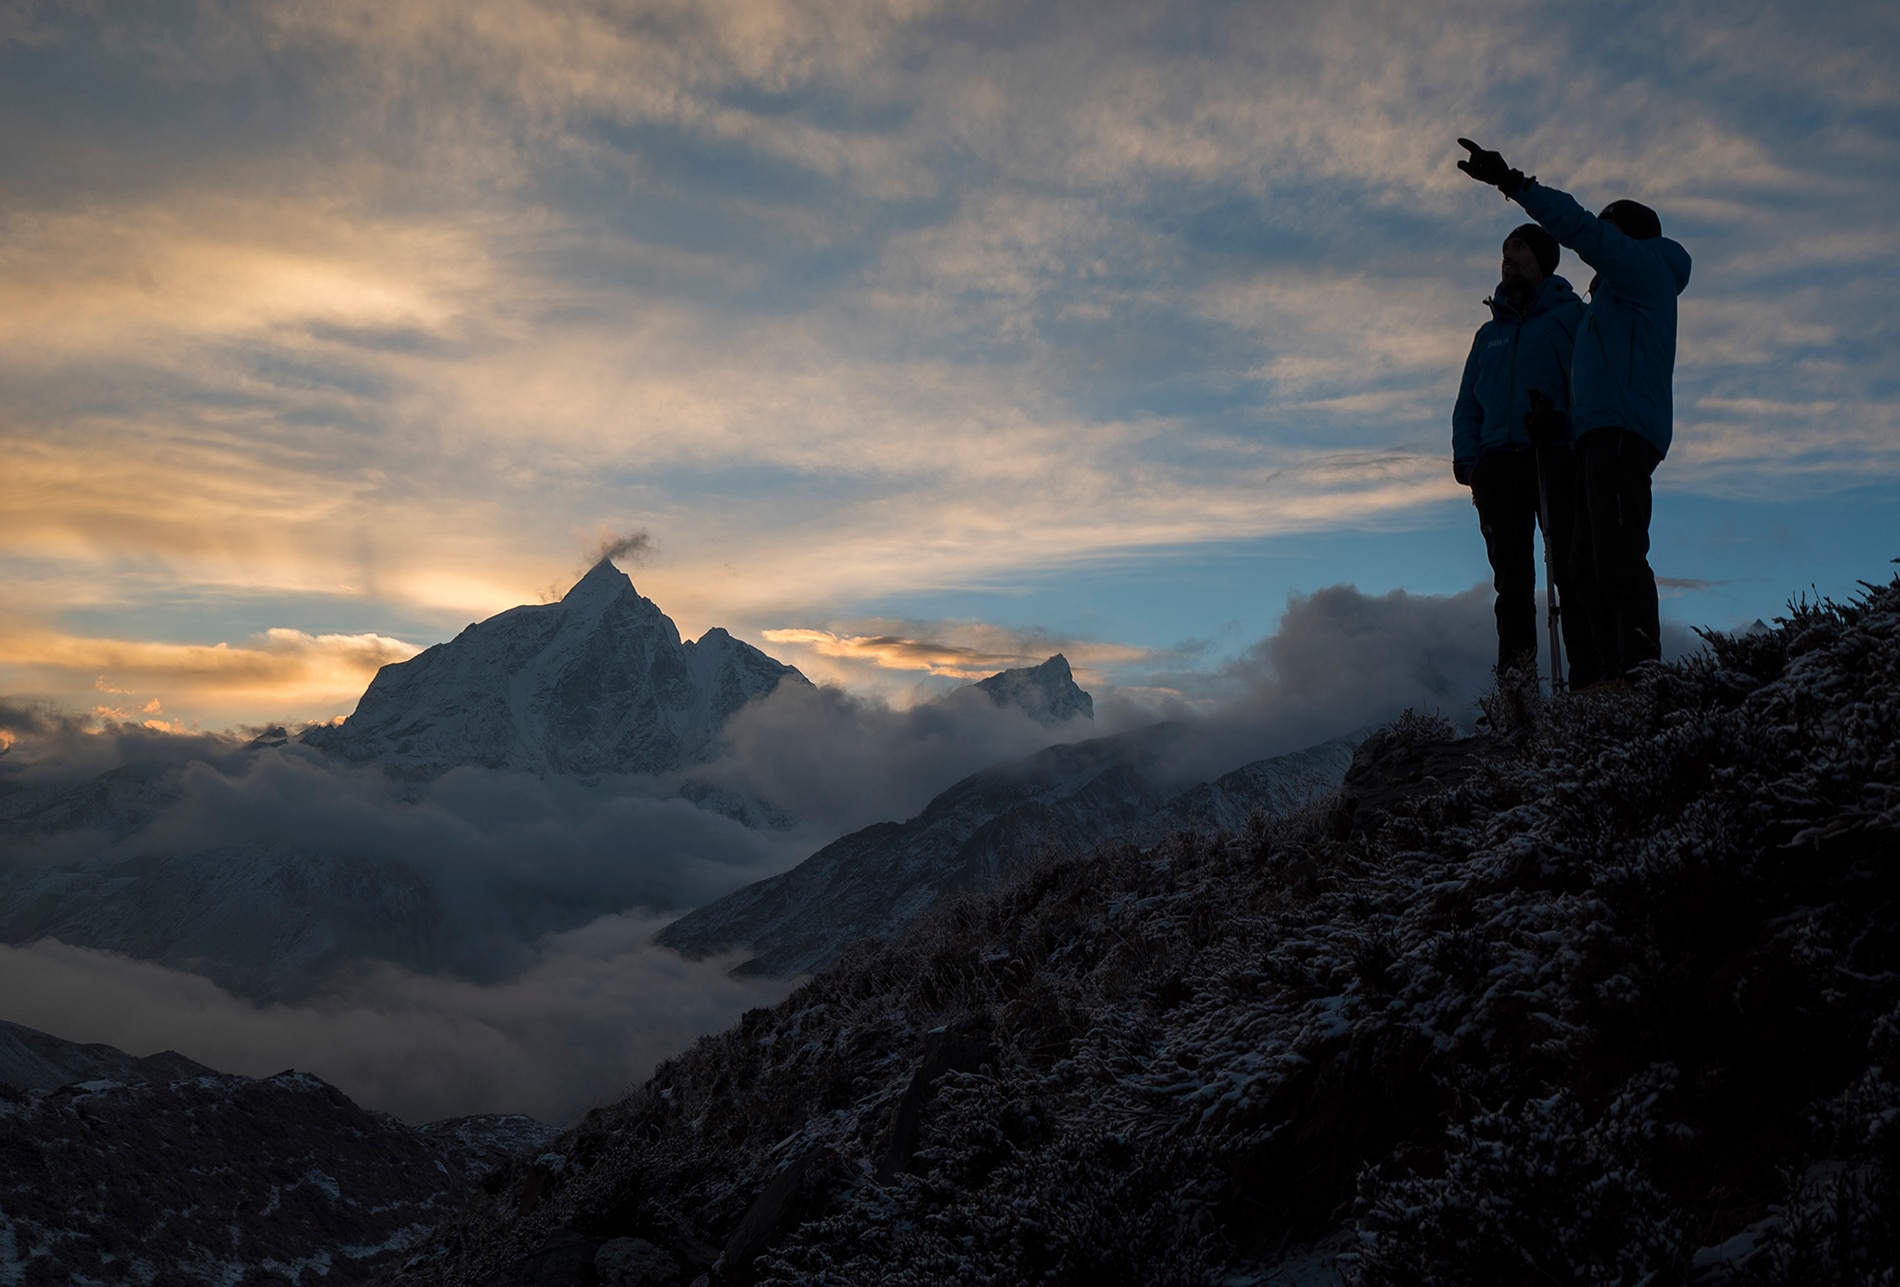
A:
(1047, 693)
(1616, 999)
(32, 1059)
(163, 1170)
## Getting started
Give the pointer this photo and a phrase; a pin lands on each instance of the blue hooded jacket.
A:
(1626, 348)
(1512, 354)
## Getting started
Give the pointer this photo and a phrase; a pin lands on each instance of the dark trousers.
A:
(1609, 549)
(1504, 488)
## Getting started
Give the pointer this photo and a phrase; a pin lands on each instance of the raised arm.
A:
(1619, 258)
(1598, 242)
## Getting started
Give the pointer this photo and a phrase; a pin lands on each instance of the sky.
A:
(919, 339)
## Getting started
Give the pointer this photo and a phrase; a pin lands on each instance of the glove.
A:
(1461, 474)
(1543, 422)
(1489, 167)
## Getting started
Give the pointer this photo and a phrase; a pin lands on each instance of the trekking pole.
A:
(1537, 424)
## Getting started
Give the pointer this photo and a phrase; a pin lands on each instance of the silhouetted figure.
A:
(1621, 407)
(1526, 345)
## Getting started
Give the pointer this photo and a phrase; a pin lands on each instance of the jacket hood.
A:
(1546, 295)
(1678, 260)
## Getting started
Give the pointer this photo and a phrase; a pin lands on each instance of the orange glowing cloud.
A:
(949, 659)
(279, 670)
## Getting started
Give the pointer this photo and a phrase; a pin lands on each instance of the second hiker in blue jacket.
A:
(1622, 409)
(1526, 345)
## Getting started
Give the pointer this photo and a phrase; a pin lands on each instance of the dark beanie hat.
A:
(1634, 218)
(1542, 244)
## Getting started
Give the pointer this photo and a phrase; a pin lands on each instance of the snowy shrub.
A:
(1534, 1192)
(1415, 727)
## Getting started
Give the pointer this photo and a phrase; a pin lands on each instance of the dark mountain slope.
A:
(113, 804)
(1610, 996)
(1063, 798)
(31, 1059)
(159, 1170)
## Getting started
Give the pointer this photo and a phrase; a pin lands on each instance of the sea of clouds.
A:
(525, 979)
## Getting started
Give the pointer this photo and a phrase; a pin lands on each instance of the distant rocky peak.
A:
(1047, 693)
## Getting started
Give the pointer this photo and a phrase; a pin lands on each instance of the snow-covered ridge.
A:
(598, 683)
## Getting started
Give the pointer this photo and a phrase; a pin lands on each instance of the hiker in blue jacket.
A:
(1527, 345)
(1621, 407)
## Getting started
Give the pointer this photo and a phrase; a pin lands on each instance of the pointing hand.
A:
(1490, 167)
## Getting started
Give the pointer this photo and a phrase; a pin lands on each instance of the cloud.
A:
(499, 858)
(1686, 584)
(634, 547)
(953, 650)
(487, 933)
(585, 1022)
(1339, 660)
(478, 943)
(227, 265)
(44, 722)
(844, 761)
(893, 652)
(279, 669)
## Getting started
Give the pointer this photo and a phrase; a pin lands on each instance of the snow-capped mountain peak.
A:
(597, 683)
(602, 581)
